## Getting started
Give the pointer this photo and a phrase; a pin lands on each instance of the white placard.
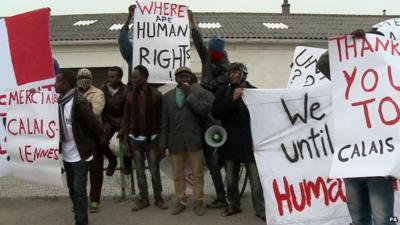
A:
(161, 39)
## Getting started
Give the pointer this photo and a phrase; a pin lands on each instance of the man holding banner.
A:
(238, 148)
(369, 191)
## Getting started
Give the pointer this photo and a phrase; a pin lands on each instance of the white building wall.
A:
(268, 63)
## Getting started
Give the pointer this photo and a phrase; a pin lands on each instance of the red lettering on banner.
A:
(350, 46)
(31, 126)
(365, 108)
(339, 46)
(366, 46)
(349, 81)
(331, 190)
(375, 74)
(162, 9)
(394, 46)
(2, 150)
(3, 99)
(30, 155)
(396, 107)
(396, 87)
(377, 44)
(383, 45)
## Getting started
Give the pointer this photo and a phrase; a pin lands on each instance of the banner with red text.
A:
(293, 147)
(33, 137)
(390, 28)
(26, 62)
(366, 111)
(161, 37)
(304, 72)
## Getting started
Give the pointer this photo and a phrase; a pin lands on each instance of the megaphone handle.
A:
(215, 152)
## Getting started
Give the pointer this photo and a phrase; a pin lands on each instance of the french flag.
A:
(25, 52)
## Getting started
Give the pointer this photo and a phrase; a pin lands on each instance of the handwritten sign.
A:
(33, 136)
(299, 140)
(366, 92)
(390, 28)
(161, 38)
(304, 72)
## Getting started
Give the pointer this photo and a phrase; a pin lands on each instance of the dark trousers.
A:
(215, 171)
(76, 182)
(96, 176)
(150, 151)
(370, 200)
(108, 153)
(232, 186)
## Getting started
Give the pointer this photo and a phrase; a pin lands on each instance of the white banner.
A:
(366, 92)
(293, 147)
(33, 137)
(4, 157)
(304, 72)
(390, 28)
(161, 39)
(292, 135)
(26, 61)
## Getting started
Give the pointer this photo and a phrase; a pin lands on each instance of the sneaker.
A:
(199, 208)
(111, 168)
(179, 207)
(94, 207)
(160, 203)
(140, 204)
(217, 204)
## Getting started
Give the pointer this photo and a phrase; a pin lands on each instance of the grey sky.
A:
(373, 7)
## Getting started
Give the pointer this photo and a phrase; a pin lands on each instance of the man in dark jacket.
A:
(238, 148)
(214, 59)
(80, 134)
(115, 93)
(181, 135)
(141, 127)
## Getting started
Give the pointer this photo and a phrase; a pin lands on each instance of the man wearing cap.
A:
(181, 135)
(238, 148)
(214, 59)
(96, 99)
(141, 127)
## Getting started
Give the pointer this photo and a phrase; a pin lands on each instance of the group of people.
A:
(153, 125)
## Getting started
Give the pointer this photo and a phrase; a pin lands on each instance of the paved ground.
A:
(57, 211)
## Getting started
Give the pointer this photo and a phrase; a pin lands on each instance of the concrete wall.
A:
(268, 62)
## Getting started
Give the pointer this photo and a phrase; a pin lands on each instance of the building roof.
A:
(93, 27)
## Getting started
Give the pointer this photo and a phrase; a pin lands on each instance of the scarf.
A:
(148, 113)
(83, 84)
(64, 99)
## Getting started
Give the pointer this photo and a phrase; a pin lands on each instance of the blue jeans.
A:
(215, 171)
(232, 186)
(76, 182)
(370, 199)
(150, 151)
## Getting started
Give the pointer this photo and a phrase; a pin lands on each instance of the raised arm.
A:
(125, 46)
(197, 38)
